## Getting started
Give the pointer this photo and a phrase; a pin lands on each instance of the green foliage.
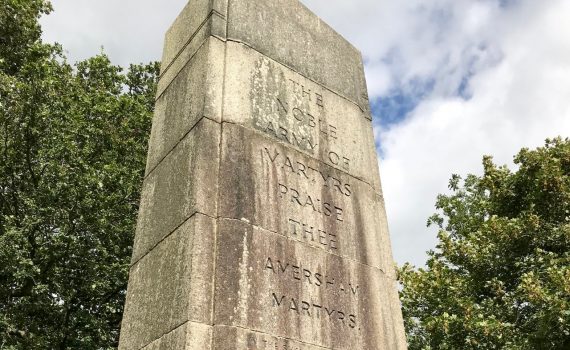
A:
(500, 276)
(72, 152)
(19, 30)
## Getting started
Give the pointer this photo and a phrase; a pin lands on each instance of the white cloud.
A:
(130, 31)
(512, 61)
(517, 102)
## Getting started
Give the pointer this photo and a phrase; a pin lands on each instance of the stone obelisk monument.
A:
(262, 222)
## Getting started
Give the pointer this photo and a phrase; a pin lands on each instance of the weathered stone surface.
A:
(191, 20)
(271, 98)
(262, 222)
(196, 92)
(288, 32)
(267, 283)
(234, 338)
(172, 284)
(189, 336)
(168, 73)
(170, 196)
(282, 190)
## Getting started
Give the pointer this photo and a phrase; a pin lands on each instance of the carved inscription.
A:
(323, 177)
(304, 142)
(309, 202)
(284, 134)
(300, 127)
(300, 120)
(298, 272)
(300, 230)
(306, 172)
(303, 92)
(306, 118)
(314, 310)
(306, 200)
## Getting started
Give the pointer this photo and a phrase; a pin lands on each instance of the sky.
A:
(449, 81)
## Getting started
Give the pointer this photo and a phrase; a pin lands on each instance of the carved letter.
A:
(311, 120)
(319, 281)
(294, 306)
(332, 241)
(308, 275)
(283, 269)
(295, 141)
(269, 265)
(277, 301)
(311, 145)
(274, 156)
(302, 169)
(328, 210)
(323, 237)
(298, 114)
(341, 316)
(283, 105)
(334, 158)
(284, 134)
(288, 164)
(319, 100)
(353, 289)
(352, 319)
(296, 272)
(270, 129)
(329, 312)
(332, 132)
(306, 92)
(348, 190)
(346, 163)
(339, 213)
(294, 224)
(306, 306)
(337, 184)
(295, 197)
(283, 190)
(309, 231)
(309, 201)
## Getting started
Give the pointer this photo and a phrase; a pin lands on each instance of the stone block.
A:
(201, 39)
(183, 184)
(270, 284)
(264, 95)
(194, 17)
(288, 32)
(171, 286)
(195, 93)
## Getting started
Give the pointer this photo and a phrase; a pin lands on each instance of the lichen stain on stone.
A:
(269, 91)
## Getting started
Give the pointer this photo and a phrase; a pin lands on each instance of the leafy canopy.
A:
(72, 151)
(500, 276)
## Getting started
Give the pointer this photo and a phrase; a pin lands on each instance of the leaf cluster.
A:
(72, 151)
(500, 276)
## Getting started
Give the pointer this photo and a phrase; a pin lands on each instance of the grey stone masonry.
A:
(262, 222)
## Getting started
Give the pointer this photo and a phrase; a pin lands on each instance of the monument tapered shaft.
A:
(262, 221)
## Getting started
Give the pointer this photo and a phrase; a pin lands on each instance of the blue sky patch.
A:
(393, 108)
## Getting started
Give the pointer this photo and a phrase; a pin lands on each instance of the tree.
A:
(500, 275)
(72, 152)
